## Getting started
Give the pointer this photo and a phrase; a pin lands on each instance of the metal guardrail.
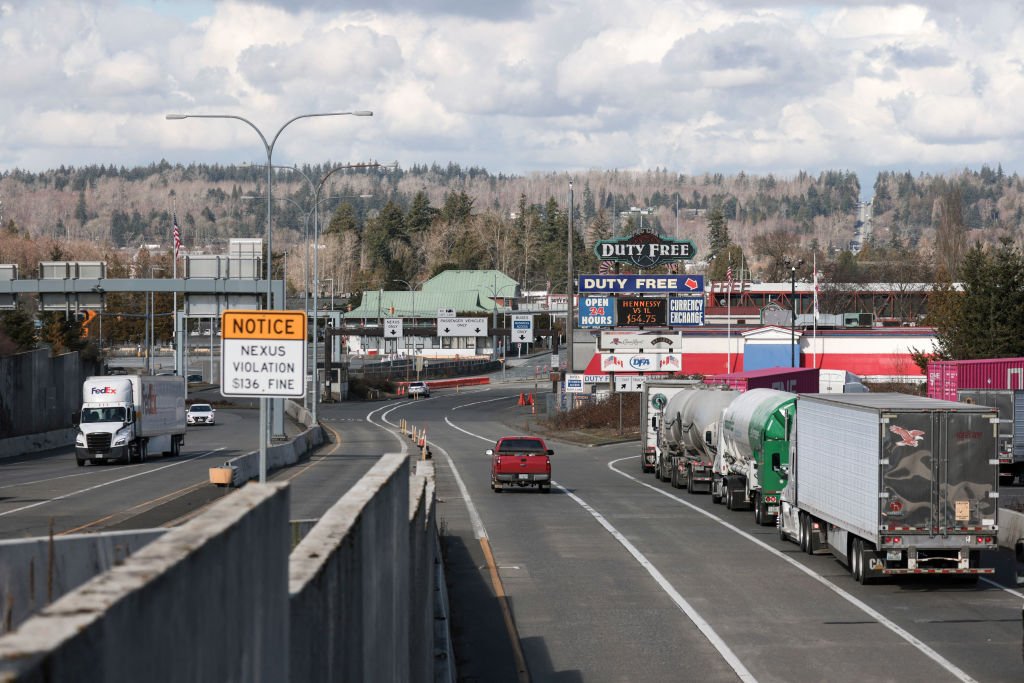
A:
(404, 368)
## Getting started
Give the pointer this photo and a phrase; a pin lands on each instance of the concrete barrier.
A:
(205, 602)
(349, 584)
(422, 570)
(33, 443)
(221, 598)
(243, 468)
(36, 571)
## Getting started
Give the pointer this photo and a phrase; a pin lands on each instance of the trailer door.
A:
(908, 471)
(970, 469)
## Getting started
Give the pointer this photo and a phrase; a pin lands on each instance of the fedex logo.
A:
(103, 390)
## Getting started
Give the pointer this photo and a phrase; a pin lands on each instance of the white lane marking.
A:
(392, 432)
(47, 480)
(108, 483)
(702, 625)
(1005, 588)
(856, 602)
(476, 403)
(474, 516)
(693, 615)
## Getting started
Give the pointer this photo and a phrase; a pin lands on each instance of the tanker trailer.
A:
(691, 421)
(753, 452)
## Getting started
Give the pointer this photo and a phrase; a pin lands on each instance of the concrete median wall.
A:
(224, 598)
(423, 561)
(247, 467)
(349, 584)
(205, 602)
(36, 571)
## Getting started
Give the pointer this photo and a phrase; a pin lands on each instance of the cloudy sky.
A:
(518, 85)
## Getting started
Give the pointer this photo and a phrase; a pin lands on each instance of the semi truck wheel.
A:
(856, 560)
(759, 512)
(802, 531)
(675, 477)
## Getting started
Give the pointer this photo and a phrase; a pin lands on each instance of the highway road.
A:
(614, 576)
(618, 577)
(49, 490)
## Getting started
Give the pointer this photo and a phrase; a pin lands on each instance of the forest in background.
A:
(382, 225)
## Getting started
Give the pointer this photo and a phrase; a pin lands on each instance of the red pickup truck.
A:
(520, 461)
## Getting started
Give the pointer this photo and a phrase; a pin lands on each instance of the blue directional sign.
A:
(596, 311)
(685, 311)
(641, 284)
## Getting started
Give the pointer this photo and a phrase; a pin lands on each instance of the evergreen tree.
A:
(458, 207)
(18, 327)
(421, 214)
(343, 220)
(81, 210)
(986, 319)
(718, 231)
(589, 210)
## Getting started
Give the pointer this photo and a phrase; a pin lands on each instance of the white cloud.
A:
(718, 85)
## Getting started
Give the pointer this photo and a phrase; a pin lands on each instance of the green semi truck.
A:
(752, 454)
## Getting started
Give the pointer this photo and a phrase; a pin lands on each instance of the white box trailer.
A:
(126, 417)
(656, 395)
(893, 484)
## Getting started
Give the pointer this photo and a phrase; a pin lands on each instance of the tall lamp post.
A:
(316, 270)
(269, 148)
(793, 265)
(413, 316)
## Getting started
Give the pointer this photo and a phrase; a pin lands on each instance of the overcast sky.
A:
(517, 86)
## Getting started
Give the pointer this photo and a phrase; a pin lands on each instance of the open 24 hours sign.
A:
(596, 311)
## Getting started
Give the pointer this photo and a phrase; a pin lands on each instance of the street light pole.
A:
(316, 273)
(793, 265)
(568, 292)
(269, 148)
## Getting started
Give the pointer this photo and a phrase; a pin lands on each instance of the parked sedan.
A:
(201, 414)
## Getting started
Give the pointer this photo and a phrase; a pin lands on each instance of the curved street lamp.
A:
(269, 148)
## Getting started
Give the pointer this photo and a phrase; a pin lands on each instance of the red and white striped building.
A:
(735, 339)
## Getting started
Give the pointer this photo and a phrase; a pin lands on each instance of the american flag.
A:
(605, 267)
(177, 235)
(728, 275)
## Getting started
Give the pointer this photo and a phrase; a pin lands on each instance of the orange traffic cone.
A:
(530, 399)
(522, 399)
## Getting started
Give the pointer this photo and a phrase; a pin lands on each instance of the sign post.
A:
(263, 354)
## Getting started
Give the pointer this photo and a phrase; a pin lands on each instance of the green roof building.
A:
(467, 292)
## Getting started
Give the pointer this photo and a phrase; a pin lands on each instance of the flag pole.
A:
(728, 319)
(174, 274)
(814, 261)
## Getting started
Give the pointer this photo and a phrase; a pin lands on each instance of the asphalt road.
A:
(615, 576)
(48, 490)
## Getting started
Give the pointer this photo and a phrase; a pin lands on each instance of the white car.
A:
(201, 414)
(419, 389)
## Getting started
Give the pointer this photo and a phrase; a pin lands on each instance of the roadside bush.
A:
(364, 387)
(602, 414)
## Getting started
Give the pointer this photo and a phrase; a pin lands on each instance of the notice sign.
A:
(263, 353)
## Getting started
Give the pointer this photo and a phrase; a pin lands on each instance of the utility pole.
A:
(569, 291)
